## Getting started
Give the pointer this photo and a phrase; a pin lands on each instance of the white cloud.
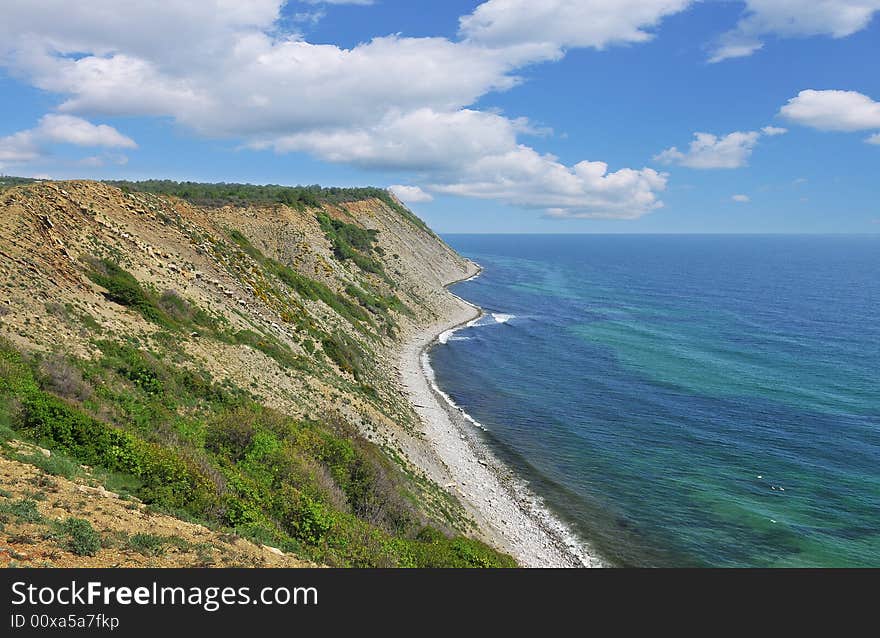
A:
(741, 199)
(833, 110)
(424, 139)
(30, 145)
(874, 139)
(708, 151)
(560, 24)
(227, 70)
(410, 194)
(793, 18)
(18, 147)
(67, 129)
(772, 131)
(524, 177)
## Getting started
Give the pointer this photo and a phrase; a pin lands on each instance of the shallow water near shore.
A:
(683, 400)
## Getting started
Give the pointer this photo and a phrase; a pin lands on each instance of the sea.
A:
(682, 400)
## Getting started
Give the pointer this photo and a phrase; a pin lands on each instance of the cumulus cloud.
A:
(560, 24)
(792, 18)
(741, 199)
(67, 129)
(710, 151)
(30, 145)
(524, 177)
(18, 148)
(424, 139)
(410, 194)
(874, 139)
(833, 110)
(228, 70)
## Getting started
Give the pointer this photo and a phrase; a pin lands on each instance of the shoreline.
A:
(508, 515)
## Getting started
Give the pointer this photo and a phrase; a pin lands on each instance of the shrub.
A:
(270, 346)
(304, 286)
(56, 465)
(305, 518)
(124, 289)
(345, 353)
(24, 509)
(350, 241)
(61, 376)
(81, 537)
(179, 309)
(231, 434)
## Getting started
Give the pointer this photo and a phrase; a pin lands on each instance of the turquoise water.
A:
(683, 400)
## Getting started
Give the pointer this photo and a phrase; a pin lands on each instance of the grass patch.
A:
(271, 347)
(350, 241)
(79, 537)
(315, 489)
(305, 287)
(168, 310)
(23, 510)
(56, 465)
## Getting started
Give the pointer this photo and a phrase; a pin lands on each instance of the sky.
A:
(632, 116)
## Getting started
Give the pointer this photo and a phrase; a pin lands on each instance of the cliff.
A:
(229, 359)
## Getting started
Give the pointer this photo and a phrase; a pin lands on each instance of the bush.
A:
(184, 312)
(24, 510)
(231, 434)
(62, 377)
(317, 489)
(270, 346)
(350, 241)
(81, 537)
(345, 353)
(305, 518)
(124, 289)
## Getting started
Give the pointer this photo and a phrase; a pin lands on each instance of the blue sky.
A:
(501, 116)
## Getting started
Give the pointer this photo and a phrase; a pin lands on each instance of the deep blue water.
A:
(683, 400)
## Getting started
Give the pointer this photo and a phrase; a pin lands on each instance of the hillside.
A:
(228, 359)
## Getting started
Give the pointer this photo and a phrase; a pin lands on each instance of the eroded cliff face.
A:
(301, 310)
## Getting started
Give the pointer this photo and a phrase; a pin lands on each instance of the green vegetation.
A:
(376, 303)
(223, 194)
(271, 347)
(9, 182)
(302, 285)
(156, 545)
(24, 510)
(79, 537)
(345, 353)
(190, 447)
(231, 194)
(350, 241)
(168, 310)
(172, 312)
